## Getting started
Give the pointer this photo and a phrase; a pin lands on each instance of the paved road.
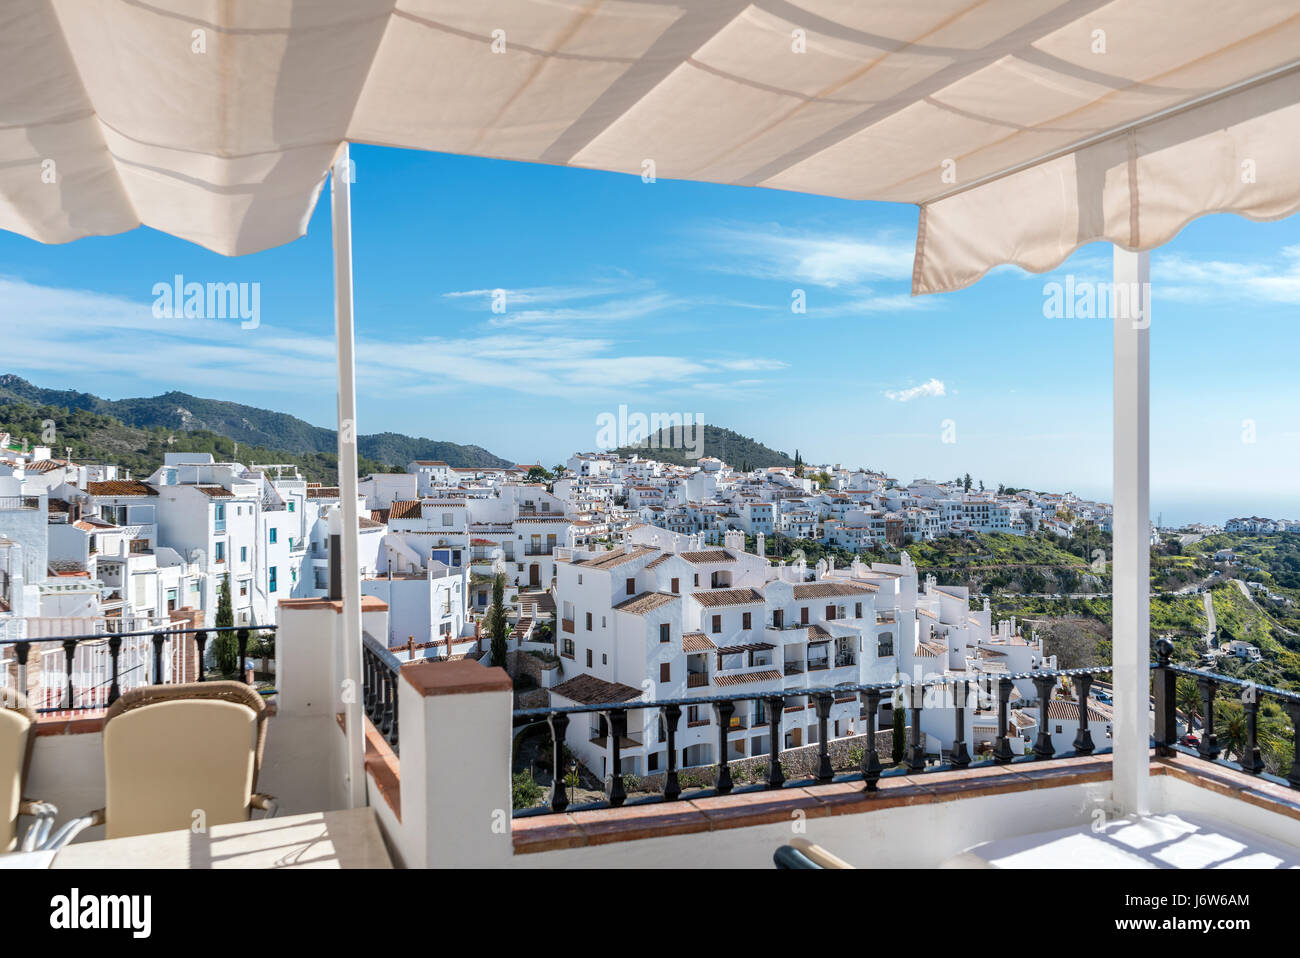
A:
(1209, 615)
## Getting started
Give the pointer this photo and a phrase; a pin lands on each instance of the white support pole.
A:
(341, 221)
(1131, 616)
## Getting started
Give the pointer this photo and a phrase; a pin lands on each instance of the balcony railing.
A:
(955, 692)
(102, 687)
(697, 680)
(13, 503)
(379, 673)
(1208, 747)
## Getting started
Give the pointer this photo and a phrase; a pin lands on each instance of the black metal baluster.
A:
(21, 651)
(367, 682)
(775, 709)
(825, 774)
(871, 767)
(1251, 761)
(1209, 747)
(1293, 710)
(1083, 740)
(393, 739)
(1164, 686)
(69, 654)
(114, 653)
(201, 638)
(158, 640)
(960, 756)
(915, 750)
(1002, 747)
(241, 640)
(672, 714)
(723, 711)
(559, 797)
(385, 704)
(1043, 747)
(615, 794)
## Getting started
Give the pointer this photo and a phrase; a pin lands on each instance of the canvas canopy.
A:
(1021, 128)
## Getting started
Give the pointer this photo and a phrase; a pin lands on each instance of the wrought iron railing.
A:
(1164, 693)
(380, 669)
(144, 669)
(957, 694)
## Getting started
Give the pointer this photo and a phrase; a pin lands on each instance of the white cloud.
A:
(1187, 280)
(828, 260)
(59, 331)
(933, 387)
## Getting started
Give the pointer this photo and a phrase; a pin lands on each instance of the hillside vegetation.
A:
(178, 412)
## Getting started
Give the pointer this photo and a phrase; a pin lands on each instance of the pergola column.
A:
(1131, 529)
(341, 223)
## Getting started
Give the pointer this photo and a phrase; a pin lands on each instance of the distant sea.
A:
(1179, 510)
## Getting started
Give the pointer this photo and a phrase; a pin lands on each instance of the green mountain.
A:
(736, 450)
(178, 413)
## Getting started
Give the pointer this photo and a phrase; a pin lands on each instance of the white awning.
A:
(1022, 128)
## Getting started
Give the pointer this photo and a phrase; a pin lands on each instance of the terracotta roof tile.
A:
(697, 642)
(404, 509)
(819, 590)
(766, 675)
(121, 487)
(589, 690)
(645, 602)
(721, 597)
(710, 555)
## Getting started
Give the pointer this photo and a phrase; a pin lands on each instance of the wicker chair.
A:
(177, 755)
(17, 737)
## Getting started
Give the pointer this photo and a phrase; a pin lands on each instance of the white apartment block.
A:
(662, 616)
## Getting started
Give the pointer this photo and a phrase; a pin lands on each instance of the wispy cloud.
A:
(59, 331)
(933, 387)
(829, 260)
(600, 301)
(1190, 280)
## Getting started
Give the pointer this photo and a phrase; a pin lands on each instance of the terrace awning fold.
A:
(1021, 129)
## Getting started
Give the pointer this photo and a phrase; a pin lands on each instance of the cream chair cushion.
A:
(14, 731)
(166, 762)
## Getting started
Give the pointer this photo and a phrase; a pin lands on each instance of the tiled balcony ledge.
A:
(1267, 795)
(382, 764)
(540, 833)
(577, 829)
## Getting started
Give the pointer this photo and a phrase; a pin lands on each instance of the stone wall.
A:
(796, 763)
(542, 674)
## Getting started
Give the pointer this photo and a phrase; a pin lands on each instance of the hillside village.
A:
(591, 558)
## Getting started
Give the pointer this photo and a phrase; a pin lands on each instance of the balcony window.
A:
(219, 517)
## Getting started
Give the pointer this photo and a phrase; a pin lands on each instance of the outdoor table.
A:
(342, 839)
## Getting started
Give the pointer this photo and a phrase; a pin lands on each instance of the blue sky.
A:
(676, 297)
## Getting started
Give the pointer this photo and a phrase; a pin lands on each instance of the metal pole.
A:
(1131, 642)
(341, 221)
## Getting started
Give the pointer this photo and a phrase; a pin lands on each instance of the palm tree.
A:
(1230, 728)
(1187, 699)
